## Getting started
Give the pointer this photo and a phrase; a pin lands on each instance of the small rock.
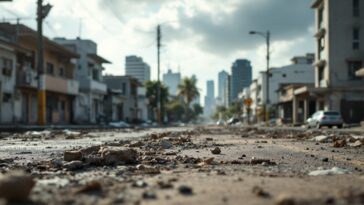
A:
(73, 165)
(165, 144)
(149, 195)
(325, 159)
(185, 190)
(92, 186)
(284, 200)
(339, 143)
(72, 156)
(216, 150)
(16, 186)
(116, 155)
(136, 144)
(258, 191)
(209, 139)
(139, 184)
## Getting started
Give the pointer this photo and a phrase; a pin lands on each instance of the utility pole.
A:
(42, 12)
(267, 113)
(159, 36)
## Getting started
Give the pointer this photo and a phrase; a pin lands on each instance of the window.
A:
(321, 71)
(356, 38)
(320, 17)
(61, 72)
(6, 66)
(356, 10)
(284, 75)
(321, 47)
(50, 69)
(123, 88)
(354, 66)
(6, 97)
(95, 74)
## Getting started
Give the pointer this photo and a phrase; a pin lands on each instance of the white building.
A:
(209, 107)
(223, 88)
(300, 71)
(133, 105)
(7, 82)
(340, 54)
(172, 80)
(135, 67)
(90, 101)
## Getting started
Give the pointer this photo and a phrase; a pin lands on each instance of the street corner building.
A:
(19, 78)
(340, 55)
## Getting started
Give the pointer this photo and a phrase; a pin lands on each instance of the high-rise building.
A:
(339, 55)
(135, 67)
(209, 98)
(172, 80)
(223, 88)
(241, 77)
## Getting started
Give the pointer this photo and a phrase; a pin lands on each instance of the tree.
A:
(175, 110)
(188, 91)
(151, 93)
(197, 110)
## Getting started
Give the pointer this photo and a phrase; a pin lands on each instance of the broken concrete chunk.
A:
(73, 165)
(16, 186)
(320, 138)
(72, 155)
(118, 155)
(89, 187)
(357, 143)
(332, 171)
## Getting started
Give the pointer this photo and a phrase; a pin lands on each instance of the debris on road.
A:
(216, 150)
(16, 186)
(332, 171)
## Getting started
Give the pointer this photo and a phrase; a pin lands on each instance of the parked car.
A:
(325, 118)
(233, 121)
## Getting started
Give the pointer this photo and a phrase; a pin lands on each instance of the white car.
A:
(325, 118)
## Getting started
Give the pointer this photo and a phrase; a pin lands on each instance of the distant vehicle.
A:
(220, 122)
(120, 124)
(233, 121)
(325, 118)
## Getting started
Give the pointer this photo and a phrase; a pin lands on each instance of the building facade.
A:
(340, 54)
(209, 99)
(172, 80)
(58, 74)
(241, 77)
(223, 88)
(132, 105)
(137, 68)
(89, 102)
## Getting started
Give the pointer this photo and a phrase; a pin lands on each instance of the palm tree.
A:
(188, 90)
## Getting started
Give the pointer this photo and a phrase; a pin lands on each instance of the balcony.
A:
(27, 78)
(61, 85)
(93, 86)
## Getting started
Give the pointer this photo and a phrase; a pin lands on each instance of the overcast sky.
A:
(200, 37)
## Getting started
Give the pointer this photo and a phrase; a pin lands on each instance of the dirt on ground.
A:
(196, 165)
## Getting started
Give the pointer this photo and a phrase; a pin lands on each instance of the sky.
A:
(201, 37)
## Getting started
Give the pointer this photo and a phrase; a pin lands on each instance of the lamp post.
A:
(267, 38)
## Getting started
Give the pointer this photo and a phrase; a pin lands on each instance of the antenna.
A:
(80, 28)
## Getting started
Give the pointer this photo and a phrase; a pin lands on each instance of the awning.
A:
(360, 72)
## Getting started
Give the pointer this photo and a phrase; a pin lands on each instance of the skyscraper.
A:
(223, 88)
(209, 98)
(172, 80)
(241, 77)
(135, 67)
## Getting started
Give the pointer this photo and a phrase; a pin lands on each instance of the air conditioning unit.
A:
(28, 78)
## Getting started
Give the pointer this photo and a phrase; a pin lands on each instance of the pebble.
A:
(185, 190)
(216, 150)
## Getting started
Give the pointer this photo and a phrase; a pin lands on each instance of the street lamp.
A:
(267, 37)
